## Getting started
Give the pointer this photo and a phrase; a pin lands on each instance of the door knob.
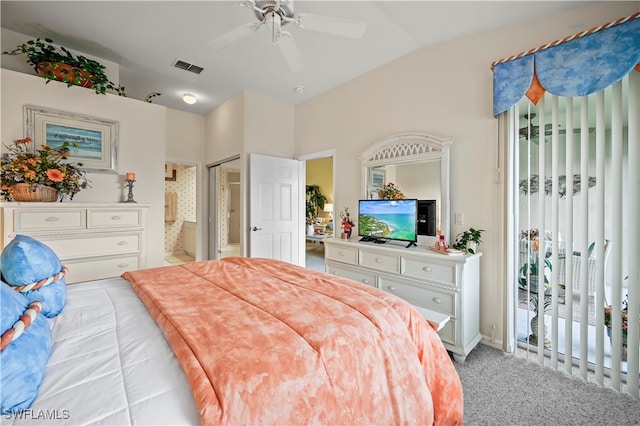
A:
(255, 228)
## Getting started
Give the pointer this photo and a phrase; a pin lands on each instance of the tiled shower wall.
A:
(185, 187)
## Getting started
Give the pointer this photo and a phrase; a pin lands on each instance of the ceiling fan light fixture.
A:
(190, 99)
(274, 14)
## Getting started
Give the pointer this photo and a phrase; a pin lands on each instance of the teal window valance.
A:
(575, 66)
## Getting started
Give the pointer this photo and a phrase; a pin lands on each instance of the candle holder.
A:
(130, 195)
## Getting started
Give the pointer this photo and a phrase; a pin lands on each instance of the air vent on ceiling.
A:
(188, 67)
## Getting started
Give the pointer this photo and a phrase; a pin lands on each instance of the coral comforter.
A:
(266, 342)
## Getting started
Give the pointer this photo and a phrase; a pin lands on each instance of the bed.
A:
(242, 341)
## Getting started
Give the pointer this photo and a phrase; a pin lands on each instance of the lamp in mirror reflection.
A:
(328, 207)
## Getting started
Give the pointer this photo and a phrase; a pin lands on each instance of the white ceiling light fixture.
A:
(190, 99)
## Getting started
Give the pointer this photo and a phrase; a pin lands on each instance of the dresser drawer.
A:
(113, 218)
(356, 275)
(429, 270)
(342, 254)
(86, 270)
(381, 262)
(421, 296)
(48, 220)
(448, 332)
(93, 245)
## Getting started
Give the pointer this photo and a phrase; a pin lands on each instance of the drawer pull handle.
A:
(115, 218)
(391, 288)
(378, 260)
(122, 243)
(52, 219)
(426, 269)
(123, 265)
(366, 281)
(341, 253)
(437, 300)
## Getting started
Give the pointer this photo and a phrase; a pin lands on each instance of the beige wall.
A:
(185, 136)
(268, 126)
(141, 145)
(446, 90)
(224, 130)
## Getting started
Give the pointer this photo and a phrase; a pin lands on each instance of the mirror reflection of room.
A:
(414, 180)
(412, 166)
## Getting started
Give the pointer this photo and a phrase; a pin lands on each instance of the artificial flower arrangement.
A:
(47, 167)
(390, 192)
(347, 223)
(625, 318)
(608, 321)
(529, 271)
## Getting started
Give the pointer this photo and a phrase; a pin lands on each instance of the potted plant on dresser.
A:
(468, 240)
(41, 176)
(58, 63)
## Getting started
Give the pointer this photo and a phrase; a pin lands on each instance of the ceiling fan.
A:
(532, 131)
(274, 14)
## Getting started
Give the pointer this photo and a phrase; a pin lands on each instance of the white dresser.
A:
(93, 240)
(437, 282)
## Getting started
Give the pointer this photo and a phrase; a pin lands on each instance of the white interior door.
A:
(275, 208)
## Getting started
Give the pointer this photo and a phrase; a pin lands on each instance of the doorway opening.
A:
(320, 222)
(180, 214)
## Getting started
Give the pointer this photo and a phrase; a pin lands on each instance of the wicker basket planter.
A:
(26, 192)
(66, 74)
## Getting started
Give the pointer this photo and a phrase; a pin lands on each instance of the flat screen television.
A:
(383, 220)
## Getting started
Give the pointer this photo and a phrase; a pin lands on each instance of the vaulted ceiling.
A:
(147, 38)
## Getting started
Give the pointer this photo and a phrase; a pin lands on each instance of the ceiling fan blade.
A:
(233, 36)
(327, 24)
(290, 51)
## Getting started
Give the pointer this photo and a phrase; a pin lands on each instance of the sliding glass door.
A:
(575, 203)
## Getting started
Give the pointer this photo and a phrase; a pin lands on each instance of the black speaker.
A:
(427, 217)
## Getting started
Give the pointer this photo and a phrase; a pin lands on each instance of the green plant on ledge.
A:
(58, 63)
(470, 236)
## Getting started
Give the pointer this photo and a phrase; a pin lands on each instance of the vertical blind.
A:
(576, 181)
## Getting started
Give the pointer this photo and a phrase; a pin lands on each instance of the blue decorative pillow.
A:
(26, 260)
(24, 359)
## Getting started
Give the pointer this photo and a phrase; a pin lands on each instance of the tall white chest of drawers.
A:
(93, 240)
(437, 282)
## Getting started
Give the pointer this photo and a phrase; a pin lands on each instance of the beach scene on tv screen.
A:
(395, 219)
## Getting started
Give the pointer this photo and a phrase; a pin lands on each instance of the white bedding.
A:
(110, 364)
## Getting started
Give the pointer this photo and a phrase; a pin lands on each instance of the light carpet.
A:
(505, 389)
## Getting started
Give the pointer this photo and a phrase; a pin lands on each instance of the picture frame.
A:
(377, 179)
(96, 138)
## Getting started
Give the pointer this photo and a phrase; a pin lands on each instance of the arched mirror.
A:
(418, 165)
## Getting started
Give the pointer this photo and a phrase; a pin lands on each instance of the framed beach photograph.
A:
(377, 178)
(95, 139)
